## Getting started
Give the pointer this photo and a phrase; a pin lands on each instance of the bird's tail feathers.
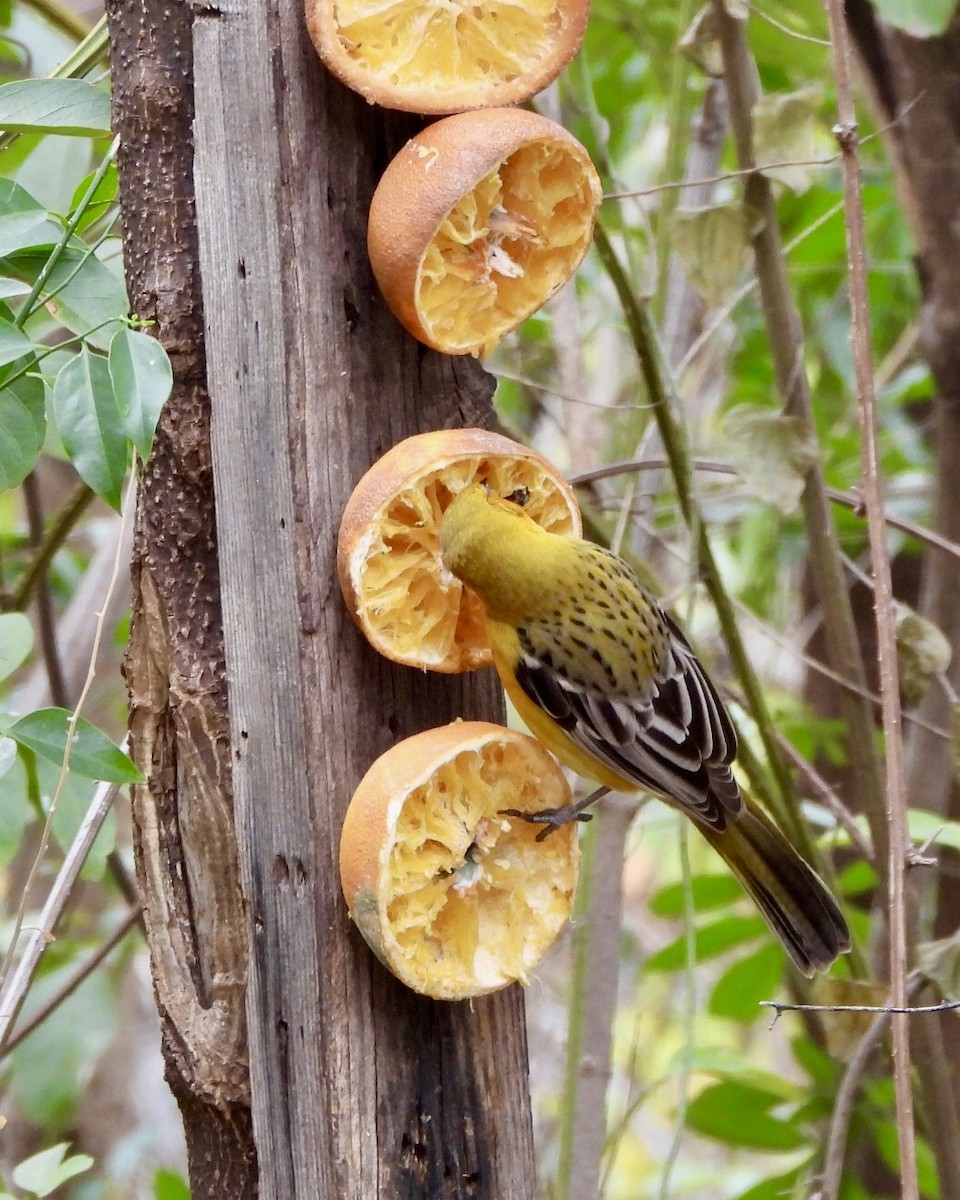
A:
(791, 897)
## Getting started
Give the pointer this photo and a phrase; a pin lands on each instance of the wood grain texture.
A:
(360, 1088)
(187, 862)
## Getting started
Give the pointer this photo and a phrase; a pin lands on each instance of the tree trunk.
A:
(359, 1088)
(183, 822)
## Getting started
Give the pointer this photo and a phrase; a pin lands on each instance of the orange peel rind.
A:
(454, 898)
(433, 56)
(477, 222)
(408, 605)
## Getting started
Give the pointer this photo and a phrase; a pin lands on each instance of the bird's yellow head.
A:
(491, 545)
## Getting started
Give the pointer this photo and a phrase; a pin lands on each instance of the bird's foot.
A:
(550, 818)
(553, 818)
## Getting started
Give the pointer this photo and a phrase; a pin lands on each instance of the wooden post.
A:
(360, 1089)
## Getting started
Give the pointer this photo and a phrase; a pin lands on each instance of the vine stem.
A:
(12, 995)
(873, 500)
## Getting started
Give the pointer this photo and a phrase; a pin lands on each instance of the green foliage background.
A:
(706, 1100)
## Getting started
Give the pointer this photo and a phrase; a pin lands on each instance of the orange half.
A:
(408, 605)
(434, 56)
(453, 897)
(477, 222)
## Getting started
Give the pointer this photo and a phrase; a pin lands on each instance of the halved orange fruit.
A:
(453, 897)
(477, 222)
(434, 56)
(409, 606)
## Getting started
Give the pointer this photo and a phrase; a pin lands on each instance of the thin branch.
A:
(12, 995)
(896, 792)
(51, 542)
(18, 984)
(46, 622)
(674, 442)
(785, 337)
(727, 308)
(907, 1010)
(800, 37)
(688, 1016)
(830, 799)
(61, 17)
(718, 467)
(133, 919)
(29, 305)
(759, 168)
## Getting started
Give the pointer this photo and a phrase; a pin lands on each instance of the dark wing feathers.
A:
(675, 739)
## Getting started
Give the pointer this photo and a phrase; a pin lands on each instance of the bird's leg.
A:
(553, 818)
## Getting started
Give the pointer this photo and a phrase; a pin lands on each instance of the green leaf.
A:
(142, 382)
(90, 424)
(711, 940)
(784, 131)
(46, 1171)
(739, 990)
(16, 811)
(104, 196)
(64, 106)
(16, 642)
(700, 43)
(737, 1114)
(777, 1187)
(30, 230)
(711, 244)
(23, 426)
(857, 878)
(12, 287)
(771, 452)
(92, 755)
(168, 1185)
(14, 343)
(16, 199)
(88, 292)
(940, 962)
(8, 753)
(708, 891)
(920, 18)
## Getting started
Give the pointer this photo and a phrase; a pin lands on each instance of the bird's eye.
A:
(519, 497)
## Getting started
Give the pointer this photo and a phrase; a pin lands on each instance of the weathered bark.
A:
(184, 836)
(360, 1088)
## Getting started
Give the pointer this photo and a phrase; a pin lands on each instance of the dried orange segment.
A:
(453, 897)
(438, 56)
(409, 606)
(477, 222)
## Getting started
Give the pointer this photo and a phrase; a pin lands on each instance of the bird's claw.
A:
(552, 818)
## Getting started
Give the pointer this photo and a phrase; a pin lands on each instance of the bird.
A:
(606, 680)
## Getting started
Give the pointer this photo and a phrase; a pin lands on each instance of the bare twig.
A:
(785, 338)
(716, 466)
(889, 1009)
(830, 799)
(48, 546)
(130, 921)
(896, 797)
(18, 984)
(593, 1006)
(13, 991)
(674, 441)
(44, 607)
(800, 37)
